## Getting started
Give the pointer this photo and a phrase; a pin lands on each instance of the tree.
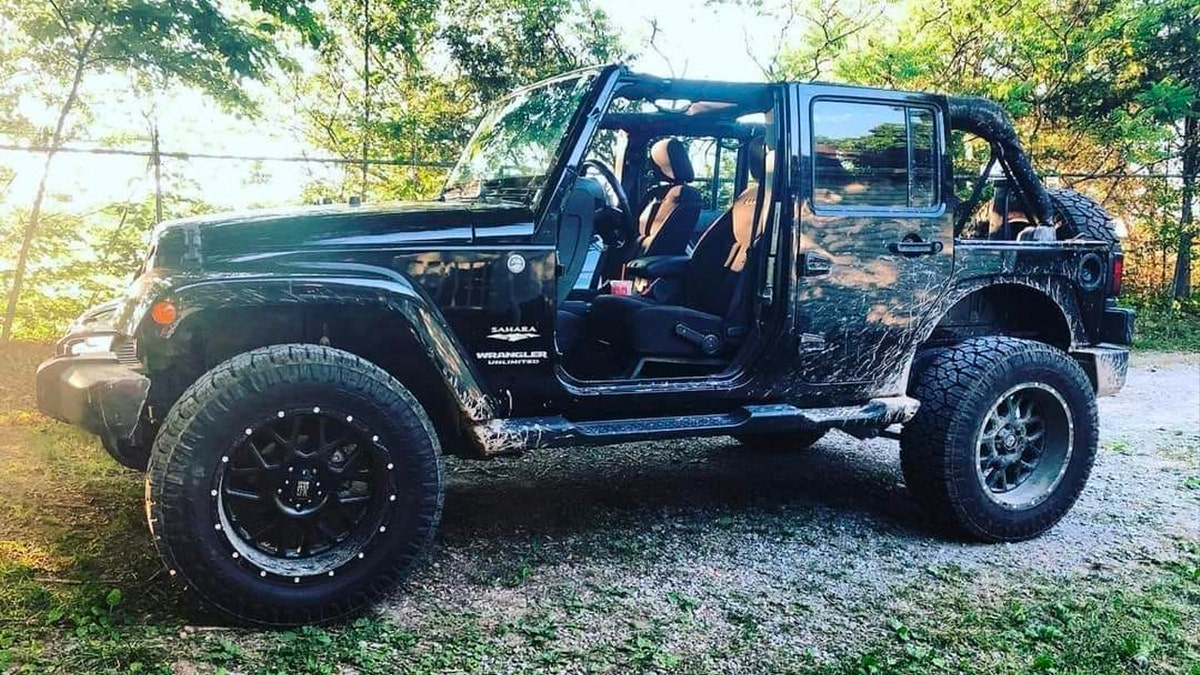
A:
(406, 79)
(1166, 39)
(1101, 88)
(811, 35)
(54, 46)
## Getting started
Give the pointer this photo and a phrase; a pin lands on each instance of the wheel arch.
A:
(1040, 310)
(1014, 307)
(388, 323)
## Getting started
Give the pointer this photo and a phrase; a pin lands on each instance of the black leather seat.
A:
(672, 206)
(664, 226)
(710, 319)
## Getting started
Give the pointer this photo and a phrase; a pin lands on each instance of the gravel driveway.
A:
(686, 545)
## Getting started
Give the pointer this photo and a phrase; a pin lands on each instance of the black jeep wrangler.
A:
(616, 257)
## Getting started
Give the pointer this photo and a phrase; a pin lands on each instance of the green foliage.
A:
(1168, 325)
(1066, 71)
(499, 45)
(78, 261)
(52, 48)
(195, 43)
(1078, 629)
(415, 94)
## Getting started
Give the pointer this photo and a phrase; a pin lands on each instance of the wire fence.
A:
(1134, 198)
(166, 154)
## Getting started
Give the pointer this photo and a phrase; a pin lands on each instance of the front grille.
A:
(126, 351)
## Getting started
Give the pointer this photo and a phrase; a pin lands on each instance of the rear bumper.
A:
(1116, 327)
(1106, 365)
(95, 392)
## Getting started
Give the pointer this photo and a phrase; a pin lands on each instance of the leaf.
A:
(113, 598)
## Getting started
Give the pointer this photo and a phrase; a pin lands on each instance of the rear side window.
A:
(874, 155)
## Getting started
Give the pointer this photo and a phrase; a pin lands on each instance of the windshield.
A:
(513, 149)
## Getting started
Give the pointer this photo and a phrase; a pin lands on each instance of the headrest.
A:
(671, 159)
(757, 156)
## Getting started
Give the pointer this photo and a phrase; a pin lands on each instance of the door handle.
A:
(911, 248)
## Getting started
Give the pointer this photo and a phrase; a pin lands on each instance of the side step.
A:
(524, 433)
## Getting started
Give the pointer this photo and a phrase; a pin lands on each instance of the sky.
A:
(693, 40)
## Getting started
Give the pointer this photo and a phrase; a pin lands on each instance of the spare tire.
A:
(1081, 217)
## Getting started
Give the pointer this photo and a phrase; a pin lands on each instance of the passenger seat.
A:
(672, 206)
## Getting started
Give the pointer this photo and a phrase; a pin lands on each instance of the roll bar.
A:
(988, 120)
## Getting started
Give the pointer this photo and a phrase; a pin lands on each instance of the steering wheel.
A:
(617, 232)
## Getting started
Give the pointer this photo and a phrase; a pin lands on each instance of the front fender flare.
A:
(394, 294)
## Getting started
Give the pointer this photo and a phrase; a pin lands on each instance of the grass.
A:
(81, 591)
(1088, 625)
(75, 558)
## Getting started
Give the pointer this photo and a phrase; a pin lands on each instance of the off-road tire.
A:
(939, 448)
(795, 441)
(1082, 217)
(209, 419)
(128, 455)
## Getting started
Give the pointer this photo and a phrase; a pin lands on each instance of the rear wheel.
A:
(294, 484)
(786, 442)
(1004, 440)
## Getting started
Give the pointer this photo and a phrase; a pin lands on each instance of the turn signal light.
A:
(163, 313)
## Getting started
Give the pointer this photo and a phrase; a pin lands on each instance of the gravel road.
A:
(806, 548)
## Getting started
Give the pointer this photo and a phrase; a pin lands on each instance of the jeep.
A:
(615, 257)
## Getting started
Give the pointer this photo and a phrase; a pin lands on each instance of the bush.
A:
(1166, 324)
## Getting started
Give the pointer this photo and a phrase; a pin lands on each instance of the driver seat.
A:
(672, 206)
(664, 227)
(711, 320)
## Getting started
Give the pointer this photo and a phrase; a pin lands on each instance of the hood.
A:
(244, 235)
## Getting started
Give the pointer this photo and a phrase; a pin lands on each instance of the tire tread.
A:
(176, 447)
(929, 443)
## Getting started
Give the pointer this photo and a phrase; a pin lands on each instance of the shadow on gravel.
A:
(565, 493)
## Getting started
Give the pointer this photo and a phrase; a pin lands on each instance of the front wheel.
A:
(1004, 440)
(294, 484)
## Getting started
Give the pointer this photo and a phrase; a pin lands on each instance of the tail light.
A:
(1115, 274)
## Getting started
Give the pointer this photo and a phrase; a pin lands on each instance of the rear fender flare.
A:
(1057, 290)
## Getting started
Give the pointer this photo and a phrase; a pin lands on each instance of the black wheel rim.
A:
(303, 493)
(1024, 446)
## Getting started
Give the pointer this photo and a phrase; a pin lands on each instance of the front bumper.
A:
(95, 392)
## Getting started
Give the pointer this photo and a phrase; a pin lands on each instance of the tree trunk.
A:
(1182, 286)
(35, 213)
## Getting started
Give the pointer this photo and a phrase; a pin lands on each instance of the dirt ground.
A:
(727, 558)
(812, 544)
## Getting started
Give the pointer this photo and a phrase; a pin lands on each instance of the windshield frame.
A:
(601, 78)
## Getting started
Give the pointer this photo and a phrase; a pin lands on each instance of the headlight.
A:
(90, 344)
